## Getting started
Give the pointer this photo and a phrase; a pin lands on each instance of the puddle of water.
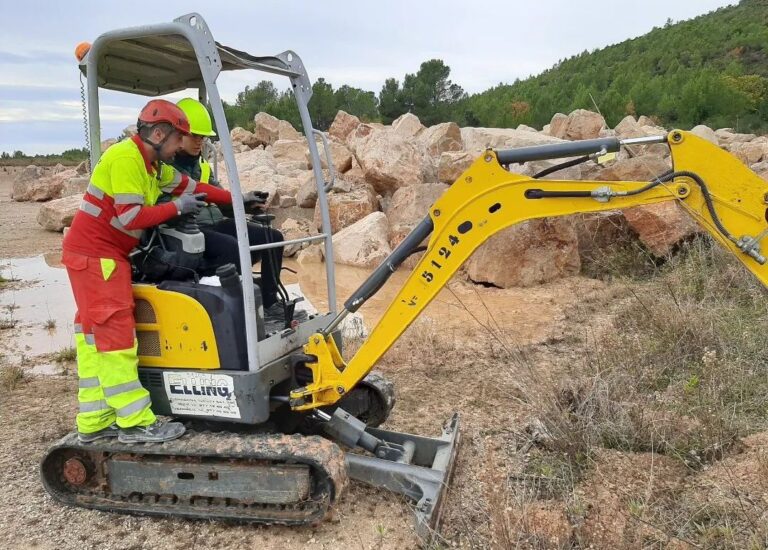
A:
(40, 303)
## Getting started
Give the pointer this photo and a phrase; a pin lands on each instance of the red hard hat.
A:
(160, 110)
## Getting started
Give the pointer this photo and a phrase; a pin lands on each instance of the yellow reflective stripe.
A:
(122, 388)
(136, 406)
(135, 233)
(90, 208)
(94, 406)
(90, 382)
(205, 171)
(108, 266)
(128, 216)
(129, 198)
(95, 191)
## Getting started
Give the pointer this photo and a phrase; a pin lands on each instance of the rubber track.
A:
(325, 459)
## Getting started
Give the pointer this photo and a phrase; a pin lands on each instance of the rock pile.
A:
(387, 177)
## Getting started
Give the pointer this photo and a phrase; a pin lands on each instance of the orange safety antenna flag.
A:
(81, 50)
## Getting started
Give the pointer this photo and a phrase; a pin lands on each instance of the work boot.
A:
(109, 431)
(154, 433)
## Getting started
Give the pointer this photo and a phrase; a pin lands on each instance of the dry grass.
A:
(681, 374)
(65, 355)
(12, 376)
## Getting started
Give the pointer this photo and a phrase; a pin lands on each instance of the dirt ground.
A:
(475, 351)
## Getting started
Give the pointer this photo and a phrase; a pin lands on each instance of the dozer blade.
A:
(423, 479)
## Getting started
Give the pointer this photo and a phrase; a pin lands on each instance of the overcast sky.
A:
(346, 42)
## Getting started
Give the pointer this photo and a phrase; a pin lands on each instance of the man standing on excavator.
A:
(119, 203)
(220, 235)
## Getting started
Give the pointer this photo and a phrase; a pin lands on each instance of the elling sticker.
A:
(201, 394)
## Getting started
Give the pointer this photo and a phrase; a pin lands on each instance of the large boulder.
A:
(581, 124)
(750, 152)
(290, 150)
(635, 169)
(531, 253)
(32, 184)
(452, 164)
(75, 186)
(306, 196)
(725, 136)
(410, 205)
(57, 214)
(630, 128)
(295, 229)
(364, 243)
(598, 232)
(478, 139)
(241, 136)
(343, 124)
(661, 226)
(389, 161)
(407, 126)
(705, 132)
(345, 209)
(285, 130)
(442, 138)
(557, 125)
(130, 131)
(341, 156)
(266, 129)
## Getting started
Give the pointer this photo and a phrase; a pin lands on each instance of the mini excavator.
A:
(277, 420)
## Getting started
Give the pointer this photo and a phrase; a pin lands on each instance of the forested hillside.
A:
(709, 70)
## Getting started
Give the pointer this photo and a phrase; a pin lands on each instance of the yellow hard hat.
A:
(199, 119)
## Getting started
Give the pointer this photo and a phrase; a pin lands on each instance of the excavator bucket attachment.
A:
(423, 475)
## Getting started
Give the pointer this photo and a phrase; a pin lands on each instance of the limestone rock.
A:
(285, 130)
(313, 254)
(290, 150)
(353, 327)
(266, 129)
(761, 169)
(705, 132)
(726, 137)
(526, 128)
(661, 226)
(407, 125)
(389, 161)
(345, 209)
(558, 125)
(364, 243)
(580, 124)
(452, 164)
(477, 140)
(82, 168)
(599, 231)
(343, 124)
(534, 252)
(244, 137)
(410, 205)
(306, 196)
(750, 152)
(442, 138)
(130, 131)
(75, 186)
(635, 169)
(295, 229)
(33, 185)
(341, 156)
(57, 214)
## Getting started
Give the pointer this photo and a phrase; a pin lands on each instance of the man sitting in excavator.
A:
(219, 230)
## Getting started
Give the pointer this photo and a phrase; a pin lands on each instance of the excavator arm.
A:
(726, 199)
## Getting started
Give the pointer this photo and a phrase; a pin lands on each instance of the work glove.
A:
(253, 200)
(190, 204)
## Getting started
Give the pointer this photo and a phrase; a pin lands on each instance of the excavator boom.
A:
(728, 200)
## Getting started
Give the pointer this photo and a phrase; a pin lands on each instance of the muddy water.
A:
(40, 303)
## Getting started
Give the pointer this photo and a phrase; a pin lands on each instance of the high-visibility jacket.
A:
(121, 201)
